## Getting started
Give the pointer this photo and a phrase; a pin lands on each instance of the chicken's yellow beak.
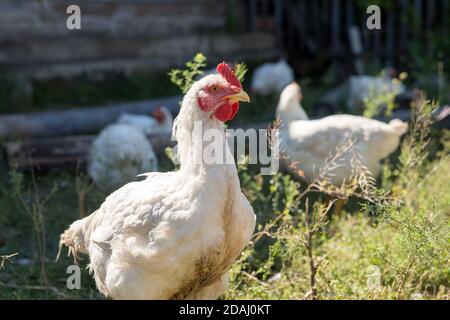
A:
(241, 96)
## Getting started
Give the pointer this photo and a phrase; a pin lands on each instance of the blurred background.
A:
(60, 88)
(126, 47)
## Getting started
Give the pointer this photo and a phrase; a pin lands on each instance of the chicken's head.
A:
(159, 114)
(219, 94)
(292, 93)
(289, 106)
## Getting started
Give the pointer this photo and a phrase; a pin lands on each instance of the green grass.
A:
(352, 246)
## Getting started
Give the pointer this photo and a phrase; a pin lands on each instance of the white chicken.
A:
(363, 87)
(174, 235)
(271, 78)
(161, 122)
(118, 155)
(357, 89)
(122, 151)
(310, 142)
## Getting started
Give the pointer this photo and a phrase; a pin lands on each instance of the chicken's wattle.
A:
(227, 111)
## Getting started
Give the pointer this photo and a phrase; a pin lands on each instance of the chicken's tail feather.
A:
(73, 238)
(398, 126)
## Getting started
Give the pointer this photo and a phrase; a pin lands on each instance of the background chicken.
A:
(161, 122)
(310, 142)
(176, 234)
(122, 151)
(357, 89)
(271, 77)
(118, 155)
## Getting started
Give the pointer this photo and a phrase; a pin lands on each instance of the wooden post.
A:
(445, 16)
(390, 38)
(356, 47)
(253, 14)
(417, 17)
(377, 45)
(349, 13)
(335, 40)
(265, 14)
(302, 22)
(429, 23)
(278, 15)
(366, 34)
(403, 24)
(317, 19)
(335, 24)
(75, 121)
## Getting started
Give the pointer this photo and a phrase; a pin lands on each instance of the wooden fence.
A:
(322, 30)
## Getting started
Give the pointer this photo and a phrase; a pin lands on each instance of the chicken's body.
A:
(272, 77)
(161, 122)
(311, 142)
(122, 150)
(357, 89)
(363, 87)
(173, 235)
(118, 155)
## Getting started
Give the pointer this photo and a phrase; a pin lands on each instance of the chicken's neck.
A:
(202, 145)
(291, 113)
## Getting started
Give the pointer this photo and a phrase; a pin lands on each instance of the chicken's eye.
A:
(213, 88)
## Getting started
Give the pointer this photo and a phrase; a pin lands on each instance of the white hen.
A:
(118, 155)
(271, 77)
(161, 122)
(363, 87)
(357, 89)
(122, 151)
(310, 142)
(176, 234)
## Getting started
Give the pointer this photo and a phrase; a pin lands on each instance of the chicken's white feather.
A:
(271, 77)
(310, 142)
(176, 234)
(118, 155)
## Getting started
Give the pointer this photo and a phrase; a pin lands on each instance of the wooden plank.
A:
(75, 121)
(66, 152)
(69, 152)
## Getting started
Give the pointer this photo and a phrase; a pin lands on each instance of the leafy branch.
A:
(184, 79)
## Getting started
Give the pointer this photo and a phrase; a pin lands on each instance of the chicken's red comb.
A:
(228, 74)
